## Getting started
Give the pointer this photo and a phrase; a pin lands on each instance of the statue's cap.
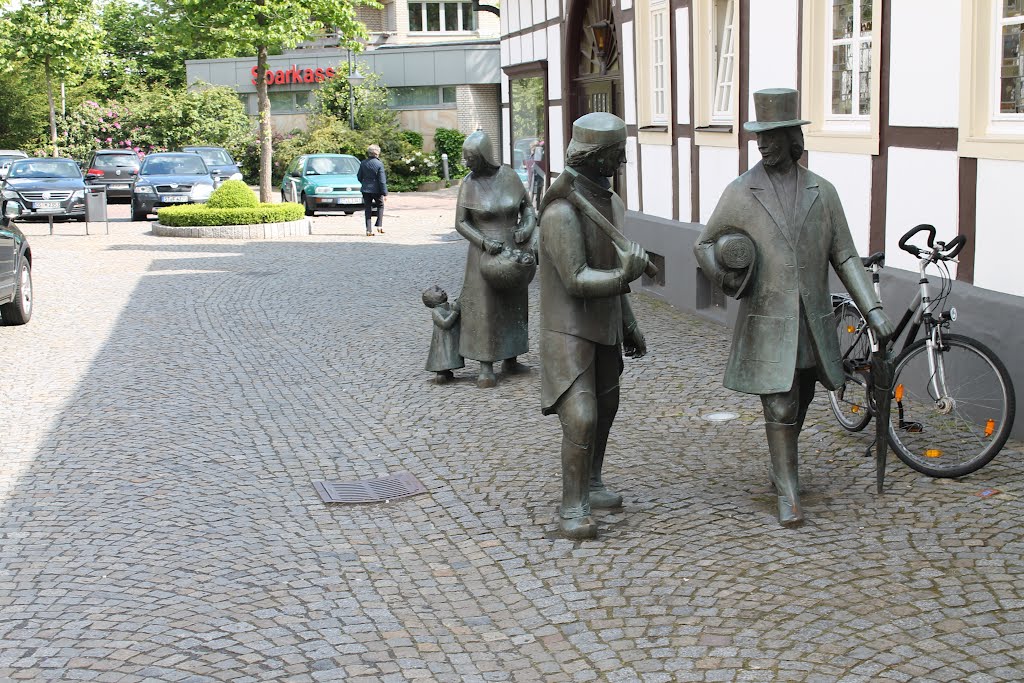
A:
(775, 108)
(598, 128)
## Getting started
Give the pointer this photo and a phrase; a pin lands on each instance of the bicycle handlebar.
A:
(938, 251)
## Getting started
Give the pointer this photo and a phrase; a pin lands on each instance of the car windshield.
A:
(214, 157)
(44, 168)
(8, 158)
(115, 161)
(332, 166)
(186, 164)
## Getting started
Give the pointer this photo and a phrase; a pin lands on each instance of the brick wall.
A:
(479, 108)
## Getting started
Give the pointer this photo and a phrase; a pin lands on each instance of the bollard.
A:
(444, 167)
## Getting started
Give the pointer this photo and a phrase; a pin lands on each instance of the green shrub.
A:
(410, 183)
(195, 215)
(412, 137)
(449, 141)
(233, 194)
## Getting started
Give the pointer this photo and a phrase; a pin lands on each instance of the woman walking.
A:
(374, 186)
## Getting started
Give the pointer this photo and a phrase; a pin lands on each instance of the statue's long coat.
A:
(791, 268)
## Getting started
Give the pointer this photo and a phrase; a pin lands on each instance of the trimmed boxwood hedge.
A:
(232, 194)
(196, 215)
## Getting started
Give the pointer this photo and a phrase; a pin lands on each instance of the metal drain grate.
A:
(369, 490)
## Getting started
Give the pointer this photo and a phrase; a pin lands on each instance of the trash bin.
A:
(96, 204)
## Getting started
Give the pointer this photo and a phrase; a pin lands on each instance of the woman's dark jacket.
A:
(371, 175)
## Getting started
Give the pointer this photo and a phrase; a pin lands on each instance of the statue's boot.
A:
(600, 496)
(782, 445)
(487, 378)
(510, 365)
(574, 520)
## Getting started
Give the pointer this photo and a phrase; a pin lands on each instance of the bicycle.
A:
(953, 403)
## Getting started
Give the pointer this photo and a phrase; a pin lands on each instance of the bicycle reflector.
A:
(851, 329)
(932, 453)
(898, 394)
(990, 427)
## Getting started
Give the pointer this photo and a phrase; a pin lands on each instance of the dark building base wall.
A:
(994, 319)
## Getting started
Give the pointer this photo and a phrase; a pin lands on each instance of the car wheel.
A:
(138, 215)
(19, 311)
(305, 203)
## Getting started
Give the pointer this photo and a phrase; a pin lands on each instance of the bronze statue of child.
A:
(444, 345)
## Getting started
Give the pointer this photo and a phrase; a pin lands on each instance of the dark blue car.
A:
(15, 270)
(45, 187)
(169, 179)
(219, 161)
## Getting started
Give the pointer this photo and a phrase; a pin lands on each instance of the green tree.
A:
(22, 107)
(60, 35)
(259, 25)
(370, 97)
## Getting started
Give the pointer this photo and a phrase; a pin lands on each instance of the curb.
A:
(259, 231)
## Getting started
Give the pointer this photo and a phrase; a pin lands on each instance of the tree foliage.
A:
(370, 99)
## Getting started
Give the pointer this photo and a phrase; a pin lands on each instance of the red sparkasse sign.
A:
(294, 75)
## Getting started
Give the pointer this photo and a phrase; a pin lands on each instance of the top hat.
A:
(775, 108)
(599, 128)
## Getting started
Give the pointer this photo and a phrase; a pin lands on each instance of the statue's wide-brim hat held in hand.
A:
(775, 108)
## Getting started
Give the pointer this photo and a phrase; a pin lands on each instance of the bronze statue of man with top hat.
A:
(792, 223)
(586, 321)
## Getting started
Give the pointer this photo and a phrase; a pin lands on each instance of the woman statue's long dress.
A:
(493, 213)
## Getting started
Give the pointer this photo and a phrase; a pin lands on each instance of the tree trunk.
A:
(265, 131)
(53, 112)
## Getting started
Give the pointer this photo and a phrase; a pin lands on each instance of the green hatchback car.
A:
(323, 182)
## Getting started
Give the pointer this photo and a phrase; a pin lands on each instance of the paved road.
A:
(172, 401)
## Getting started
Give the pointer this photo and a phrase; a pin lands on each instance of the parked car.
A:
(323, 182)
(7, 157)
(15, 270)
(45, 187)
(219, 161)
(168, 179)
(114, 169)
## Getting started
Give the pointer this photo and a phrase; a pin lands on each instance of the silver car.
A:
(7, 157)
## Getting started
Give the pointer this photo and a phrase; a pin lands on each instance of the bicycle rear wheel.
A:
(961, 431)
(849, 402)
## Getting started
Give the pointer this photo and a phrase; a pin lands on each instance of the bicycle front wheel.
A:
(849, 402)
(952, 417)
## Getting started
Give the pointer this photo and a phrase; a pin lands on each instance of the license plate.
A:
(117, 186)
(46, 206)
(349, 200)
(169, 198)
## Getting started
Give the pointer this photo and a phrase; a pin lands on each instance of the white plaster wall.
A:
(506, 134)
(525, 13)
(773, 42)
(626, 4)
(629, 73)
(922, 186)
(511, 9)
(526, 45)
(999, 238)
(538, 11)
(554, 9)
(717, 168)
(681, 67)
(685, 201)
(540, 45)
(505, 98)
(632, 184)
(555, 65)
(556, 148)
(515, 50)
(753, 154)
(503, 52)
(656, 165)
(503, 23)
(851, 175)
(924, 63)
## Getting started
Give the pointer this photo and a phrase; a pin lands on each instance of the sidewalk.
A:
(174, 400)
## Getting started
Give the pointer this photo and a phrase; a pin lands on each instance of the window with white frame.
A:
(725, 60)
(659, 61)
(444, 17)
(850, 37)
(1010, 61)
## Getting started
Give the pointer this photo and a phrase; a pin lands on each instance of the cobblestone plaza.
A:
(171, 403)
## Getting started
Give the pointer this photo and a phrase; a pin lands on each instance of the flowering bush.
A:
(417, 163)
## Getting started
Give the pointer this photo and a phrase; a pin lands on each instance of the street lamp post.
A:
(354, 79)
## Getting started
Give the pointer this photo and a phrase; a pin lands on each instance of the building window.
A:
(1010, 42)
(659, 62)
(725, 51)
(425, 96)
(850, 32)
(290, 102)
(444, 17)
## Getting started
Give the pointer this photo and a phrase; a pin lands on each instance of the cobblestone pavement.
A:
(172, 401)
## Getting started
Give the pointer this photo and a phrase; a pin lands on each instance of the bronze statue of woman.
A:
(494, 214)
